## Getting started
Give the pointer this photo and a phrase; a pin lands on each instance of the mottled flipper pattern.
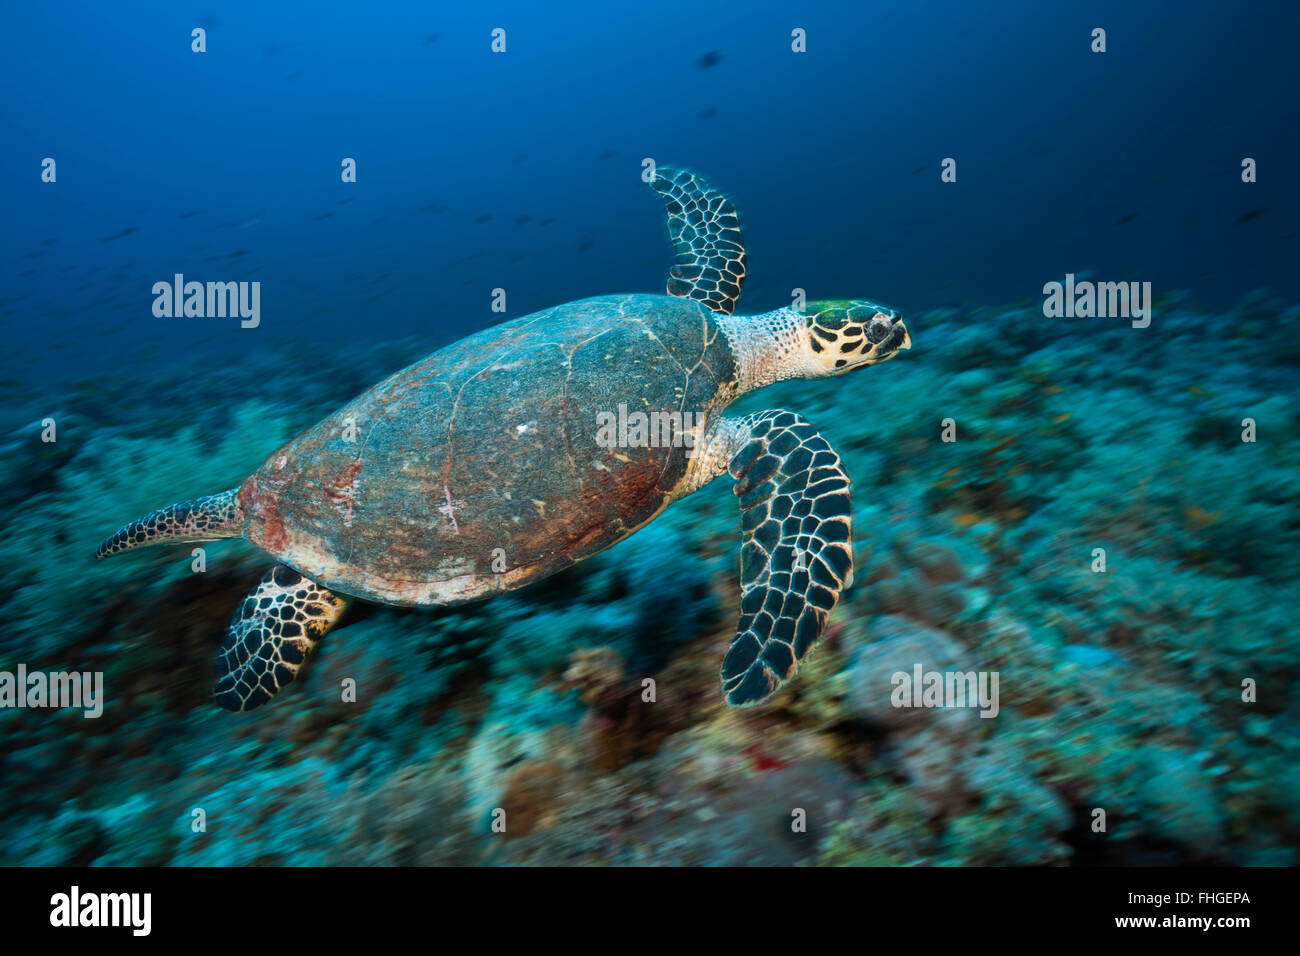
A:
(270, 636)
(198, 519)
(796, 556)
(705, 230)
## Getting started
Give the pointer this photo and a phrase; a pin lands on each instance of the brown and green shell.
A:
(481, 467)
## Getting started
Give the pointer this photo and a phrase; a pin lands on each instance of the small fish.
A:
(484, 217)
(919, 169)
(325, 215)
(708, 112)
(608, 154)
(586, 245)
(1248, 216)
(238, 253)
(48, 242)
(1127, 217)
(547, 221)
(429, 39)
(209, 22)
(189, 213)
(270, 49)
(122, 233)
(434, 208)
(712, 58)
(523, 220)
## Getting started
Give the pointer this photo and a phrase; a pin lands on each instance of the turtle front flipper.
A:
(705, 229)
(795, 558)
(270, 636)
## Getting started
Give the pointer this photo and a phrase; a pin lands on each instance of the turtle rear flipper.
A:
(796, 556)
(270, 636)
(198, 519)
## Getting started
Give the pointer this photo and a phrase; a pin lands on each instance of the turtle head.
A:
(845, 334)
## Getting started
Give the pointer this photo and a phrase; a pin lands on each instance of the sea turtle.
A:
(533, 444)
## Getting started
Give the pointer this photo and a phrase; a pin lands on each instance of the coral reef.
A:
(1098, 534)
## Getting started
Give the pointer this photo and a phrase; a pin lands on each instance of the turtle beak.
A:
(907, 338)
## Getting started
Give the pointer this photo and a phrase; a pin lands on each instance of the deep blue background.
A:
(832, 155)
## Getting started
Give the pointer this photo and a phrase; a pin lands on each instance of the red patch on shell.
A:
(344, 484)
(261, 509)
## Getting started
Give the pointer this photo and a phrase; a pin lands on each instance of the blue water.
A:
(226, 164)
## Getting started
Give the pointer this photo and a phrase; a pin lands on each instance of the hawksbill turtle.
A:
(531, 445)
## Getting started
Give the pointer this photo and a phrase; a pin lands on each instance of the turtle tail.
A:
(199, 519)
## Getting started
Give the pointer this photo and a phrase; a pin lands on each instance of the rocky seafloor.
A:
(1120, 690)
